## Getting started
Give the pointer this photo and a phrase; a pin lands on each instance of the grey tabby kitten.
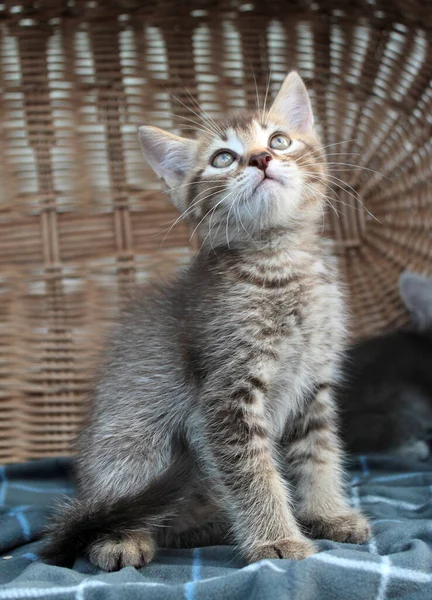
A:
(213, 420)
(386, 400)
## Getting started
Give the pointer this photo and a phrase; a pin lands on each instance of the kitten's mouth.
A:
(266, 180)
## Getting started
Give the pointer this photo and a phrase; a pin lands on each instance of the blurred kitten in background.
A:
(386, 403)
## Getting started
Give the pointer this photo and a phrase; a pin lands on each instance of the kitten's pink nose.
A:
(260, 161)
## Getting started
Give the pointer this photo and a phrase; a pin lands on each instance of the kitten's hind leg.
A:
(313, 459)
(134, 549)
(117, 531)
(198, 522)
(215, 533)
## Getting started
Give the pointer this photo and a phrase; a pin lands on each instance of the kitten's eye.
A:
(279, 142)
(223, 159)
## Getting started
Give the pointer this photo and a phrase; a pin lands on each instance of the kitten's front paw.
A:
(352, 528)
(111, 554)
(294, 548)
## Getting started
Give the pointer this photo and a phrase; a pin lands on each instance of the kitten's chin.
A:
(266, 181)
(274, 188)
(275, 179)
(268, 184)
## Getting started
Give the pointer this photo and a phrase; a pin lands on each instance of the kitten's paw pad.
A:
(111, 554)
(415, 450)
(292, 548)
(352, 528)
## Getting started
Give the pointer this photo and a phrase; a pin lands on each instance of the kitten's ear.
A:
(416, 293)
(169, 155)
(293, 104)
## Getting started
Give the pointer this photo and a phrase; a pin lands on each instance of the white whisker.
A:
(202, 109)
(214, 130)
(265, 97)
(354, 194)
(256, 90)
(191, 207)
(197, 126)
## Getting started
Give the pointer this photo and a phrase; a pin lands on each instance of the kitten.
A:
(387, 399)
(213, 420)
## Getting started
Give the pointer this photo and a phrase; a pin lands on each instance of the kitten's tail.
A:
(78, 523)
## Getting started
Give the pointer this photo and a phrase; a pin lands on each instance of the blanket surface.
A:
(396, 563)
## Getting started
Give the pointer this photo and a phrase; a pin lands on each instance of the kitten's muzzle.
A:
(260, 161)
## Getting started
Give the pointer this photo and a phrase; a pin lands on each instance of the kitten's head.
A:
(416, 293)
(251, 173)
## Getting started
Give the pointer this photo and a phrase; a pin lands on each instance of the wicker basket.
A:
(81, 218)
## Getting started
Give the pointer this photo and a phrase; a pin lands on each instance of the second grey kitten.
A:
(386, 398)
(213, 419)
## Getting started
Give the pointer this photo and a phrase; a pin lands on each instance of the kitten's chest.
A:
(303, 305)
(311, 322)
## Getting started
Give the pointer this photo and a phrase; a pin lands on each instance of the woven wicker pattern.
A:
(81, 218)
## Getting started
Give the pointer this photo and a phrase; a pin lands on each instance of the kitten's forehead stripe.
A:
(260, 134)
(240, 121)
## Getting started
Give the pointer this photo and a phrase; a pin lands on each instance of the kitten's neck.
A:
(304, 238)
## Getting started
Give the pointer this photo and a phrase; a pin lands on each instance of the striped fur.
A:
(238, 355)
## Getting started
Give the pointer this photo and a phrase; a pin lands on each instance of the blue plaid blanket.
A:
(397, 562)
